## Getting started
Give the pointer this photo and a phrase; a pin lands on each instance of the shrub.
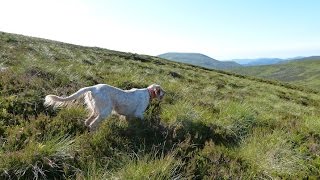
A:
(48, 160)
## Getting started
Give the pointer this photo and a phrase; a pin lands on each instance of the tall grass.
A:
(150, 166)
(210, 125)
(273, 154)
(50, 159)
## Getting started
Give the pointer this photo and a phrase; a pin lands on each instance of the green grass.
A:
(304, 73)
(210, 125)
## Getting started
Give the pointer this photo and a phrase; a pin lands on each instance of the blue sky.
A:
(224, 29)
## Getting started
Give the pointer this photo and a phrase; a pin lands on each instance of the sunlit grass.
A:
(273, 154)
(210, 125)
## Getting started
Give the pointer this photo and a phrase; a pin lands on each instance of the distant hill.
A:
(258, 62)
(301, 59)
(269, 61)
(199, 60)
(303, 71)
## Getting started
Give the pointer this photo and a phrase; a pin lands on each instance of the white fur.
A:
(103, 99)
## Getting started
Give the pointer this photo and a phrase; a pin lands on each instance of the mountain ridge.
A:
(303, 71)
(199, 59)
(258, 61)
(270, 61)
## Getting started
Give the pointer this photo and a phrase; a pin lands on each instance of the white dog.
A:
(103, 99)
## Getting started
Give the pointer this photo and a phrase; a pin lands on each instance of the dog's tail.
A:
(56, 101)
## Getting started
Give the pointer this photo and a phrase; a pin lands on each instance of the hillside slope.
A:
(210, 125)
(304, 72)
(198, 59)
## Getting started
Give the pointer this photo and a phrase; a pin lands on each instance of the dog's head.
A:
(156, 91)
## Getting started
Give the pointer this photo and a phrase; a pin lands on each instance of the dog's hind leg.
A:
(88, 121)
(101, 116)
(91, 107)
